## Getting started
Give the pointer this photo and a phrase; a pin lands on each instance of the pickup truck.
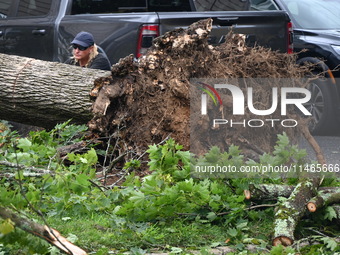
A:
(43, 29)
(316, 27)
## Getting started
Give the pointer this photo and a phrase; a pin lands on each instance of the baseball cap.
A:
(83, 39)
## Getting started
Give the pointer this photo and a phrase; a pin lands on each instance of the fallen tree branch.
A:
(324, 197)
(25, 174)
(30, 169)
(291, 211)
(48, 234)
(273, 191)
(260, 206)
(229, 212)
(64, 150)
(311, 240)
(267, 191)
(314, 144)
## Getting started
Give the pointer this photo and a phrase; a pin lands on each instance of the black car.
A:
(316, 25)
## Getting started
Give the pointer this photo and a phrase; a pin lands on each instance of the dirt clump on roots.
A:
(151, 99)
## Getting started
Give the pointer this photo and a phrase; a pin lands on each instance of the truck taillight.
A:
(290, 47)
(146, 34)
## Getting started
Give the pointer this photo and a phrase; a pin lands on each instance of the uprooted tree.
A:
(143, 102)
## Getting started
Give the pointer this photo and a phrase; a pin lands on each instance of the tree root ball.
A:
(148, 100)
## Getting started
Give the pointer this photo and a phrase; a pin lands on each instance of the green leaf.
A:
(19, 175)
(330, 213)
(137, 198)
(215, 244)
(176, 250)
(91, 156)
(24, 144)
(72, 238)
(137, 251)
(234, 150)
(7, 226)
(82, 179)
(83, 160)
(330, 243)
(211, 216)
(134, 164)
(71, 157)
(232, 232)
(242, 225)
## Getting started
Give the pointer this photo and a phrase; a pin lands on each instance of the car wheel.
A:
(321, 107)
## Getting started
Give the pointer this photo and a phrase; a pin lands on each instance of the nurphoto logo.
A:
(227, 115)
(240, 104)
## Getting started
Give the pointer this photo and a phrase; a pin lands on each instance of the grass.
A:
(101, 232)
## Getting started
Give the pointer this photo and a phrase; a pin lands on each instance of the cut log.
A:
(42, 93)
(290, 211)
(48, 234)
(323, 198)
(273, 191)
(268, 191)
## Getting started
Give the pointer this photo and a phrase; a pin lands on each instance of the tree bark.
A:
(324, 198)
(273, 191)
(41, 93)
(48, 234)
(291, 211)
(11, 170)
(268, 191)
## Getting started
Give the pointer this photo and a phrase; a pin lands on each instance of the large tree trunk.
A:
(41, 93)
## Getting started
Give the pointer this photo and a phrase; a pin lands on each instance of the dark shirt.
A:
(99, 62)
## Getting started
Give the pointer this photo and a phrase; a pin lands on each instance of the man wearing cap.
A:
(85, 53)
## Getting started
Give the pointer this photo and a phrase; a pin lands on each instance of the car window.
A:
(169, 6)
(263, 5)
(121, 6)
(34, 7)
(314, 14)
(221, 5)
(4, 8)
(293, 8)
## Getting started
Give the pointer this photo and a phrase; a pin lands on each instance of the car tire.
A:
(323, 121)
